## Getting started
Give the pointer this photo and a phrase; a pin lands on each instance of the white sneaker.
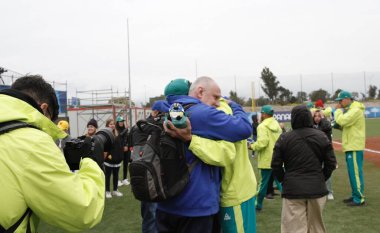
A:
(119, 183)
(108, 194)
(117, 193)
(330, 197)
(125, 182)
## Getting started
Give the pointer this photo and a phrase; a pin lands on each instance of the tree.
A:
(336, 94)
(378, 95)
(285, 95)
(262, 101)
(154, 99)
(293, 99)
(319, 94)
(363, 96)
(301, 96)
(271, 85)
(236, 99)
(248, 103)
(372, 92)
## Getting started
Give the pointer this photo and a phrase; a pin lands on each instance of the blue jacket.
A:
(202, 194)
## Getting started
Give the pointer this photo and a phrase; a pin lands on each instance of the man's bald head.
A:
(206, 90)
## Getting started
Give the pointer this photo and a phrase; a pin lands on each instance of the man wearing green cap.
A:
(216, 139)
(268, 132)
(349, 115)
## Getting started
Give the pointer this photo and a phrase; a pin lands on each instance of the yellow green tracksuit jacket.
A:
(353, 124)
(327, 112)
(34, 174)
(238, 179)
(268, 132)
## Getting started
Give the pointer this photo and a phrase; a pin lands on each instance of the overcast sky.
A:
(84, 42)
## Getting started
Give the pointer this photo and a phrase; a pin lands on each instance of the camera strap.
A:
(6, 127)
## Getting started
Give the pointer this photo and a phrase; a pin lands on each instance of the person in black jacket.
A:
(309, 160)
(112, 162)
(124, 138)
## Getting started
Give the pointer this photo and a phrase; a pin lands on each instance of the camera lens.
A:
(93, 147)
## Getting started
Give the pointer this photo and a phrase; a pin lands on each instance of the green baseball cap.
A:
(310, 105)
(119, 119)
(268, 109)
(343, 95)
(177, 87)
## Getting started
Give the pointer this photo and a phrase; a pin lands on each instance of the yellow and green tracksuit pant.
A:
(265, 177)
(354, 160)
(240, 218)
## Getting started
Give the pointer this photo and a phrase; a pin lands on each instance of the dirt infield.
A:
(372, 152)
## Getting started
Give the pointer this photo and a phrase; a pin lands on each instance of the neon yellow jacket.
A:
(34, 174)
(238, 179)
(353, 126)
(327, 112)
(268, 132)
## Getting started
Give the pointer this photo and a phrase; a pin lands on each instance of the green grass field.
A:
(123, 214)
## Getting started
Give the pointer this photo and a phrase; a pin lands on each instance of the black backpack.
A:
(5, 128)
(160, 172)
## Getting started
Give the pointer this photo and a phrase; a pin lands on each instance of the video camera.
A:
(90, 147)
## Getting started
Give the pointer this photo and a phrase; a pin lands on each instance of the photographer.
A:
(36, 181)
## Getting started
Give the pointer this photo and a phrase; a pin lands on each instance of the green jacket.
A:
(352, 122)
(34, 174)
(238, 179)
(268, 132)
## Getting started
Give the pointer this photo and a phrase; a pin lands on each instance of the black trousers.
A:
(170, 223)
(114, 171)
(126, 159)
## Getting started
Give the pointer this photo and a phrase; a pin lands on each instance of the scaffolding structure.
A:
(101, 105)
(7, 76)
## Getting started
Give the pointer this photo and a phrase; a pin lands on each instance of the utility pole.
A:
(196, 69)
(365, 84)
(235, 84)
(253, 96)
(301, 87)
(332, 84)
(129, 79)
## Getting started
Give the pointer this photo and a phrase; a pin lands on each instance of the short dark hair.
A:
(41, 91)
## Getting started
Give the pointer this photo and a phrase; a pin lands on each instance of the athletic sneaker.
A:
(108, 194)
(348, 200)
(354, 204)
(117, 193)
(125, 182)
(330, 197)
(119, 183)
(269, 196)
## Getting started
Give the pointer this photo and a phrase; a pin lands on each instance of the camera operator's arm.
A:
(71, 201)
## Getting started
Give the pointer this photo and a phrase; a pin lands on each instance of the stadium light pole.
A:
(365, 84)
(196, 69)
(253, 96)
(129, 78)
(332, 84)
(235, 84)
(301, 86)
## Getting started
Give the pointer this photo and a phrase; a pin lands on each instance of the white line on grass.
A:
(369, 150)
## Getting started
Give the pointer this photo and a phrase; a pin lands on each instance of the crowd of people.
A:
(222, 195)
